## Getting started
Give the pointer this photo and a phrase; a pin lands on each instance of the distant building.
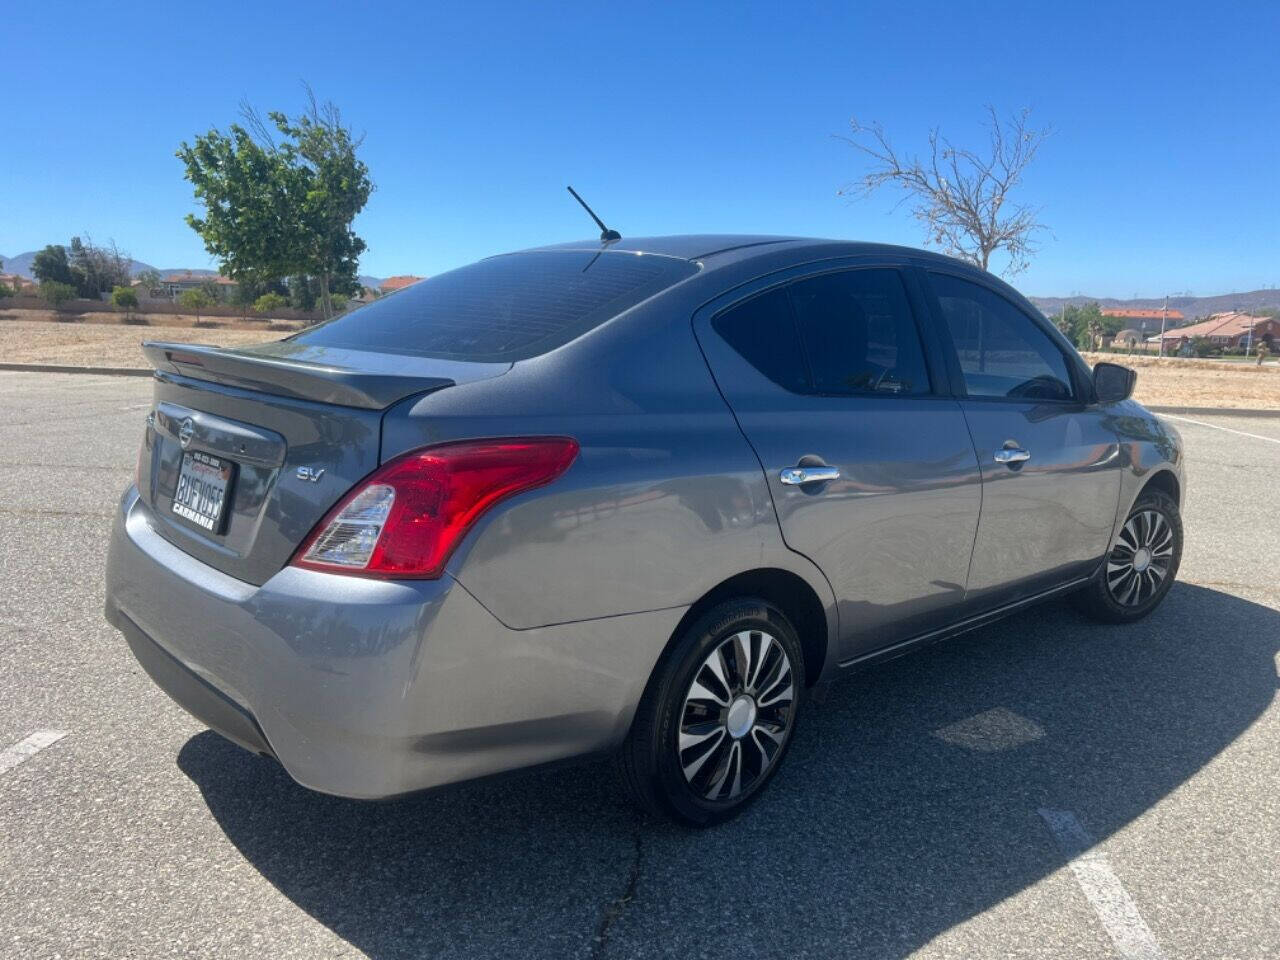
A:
(1225, 330)
(392, 284)
(1145, 321)
(1129, 337)
(174, 284)
(23, 286)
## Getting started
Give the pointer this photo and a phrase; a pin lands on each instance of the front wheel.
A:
(1142, 564)
(718, 715)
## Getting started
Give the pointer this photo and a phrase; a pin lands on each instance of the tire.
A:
(1123, 591)
(730, 686)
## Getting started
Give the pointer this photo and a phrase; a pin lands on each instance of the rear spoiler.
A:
(370, 381)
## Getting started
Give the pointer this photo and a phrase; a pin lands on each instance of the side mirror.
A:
(1112, 382)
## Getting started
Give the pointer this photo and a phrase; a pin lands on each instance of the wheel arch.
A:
(1166, 481)
(789, 592)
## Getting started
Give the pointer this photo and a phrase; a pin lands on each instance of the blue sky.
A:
(1163, 173)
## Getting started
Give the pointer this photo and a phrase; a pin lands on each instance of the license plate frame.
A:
(203, 490)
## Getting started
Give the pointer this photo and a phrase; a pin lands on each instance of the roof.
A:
(729, 247)
(399, 282)
(189, 277)
(1141, 313)
(1219, 325)
(1129, 334)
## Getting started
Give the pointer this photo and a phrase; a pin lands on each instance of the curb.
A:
(1213, 411)
(66, 368)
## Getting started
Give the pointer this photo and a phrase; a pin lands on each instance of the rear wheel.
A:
(1142, 564)
(718, 715)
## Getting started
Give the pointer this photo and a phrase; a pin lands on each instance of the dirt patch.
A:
(109, 345)
(1178, 382)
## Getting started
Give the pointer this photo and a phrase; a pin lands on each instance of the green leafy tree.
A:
(269, 303)
(56, 293)
(280, 195)
(50, 265)
(126, 299)
(194, 300)
(6, 291)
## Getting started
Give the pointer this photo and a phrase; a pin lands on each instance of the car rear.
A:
(280, 571)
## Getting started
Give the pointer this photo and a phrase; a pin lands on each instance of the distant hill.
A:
(1191, 307)
(21, 264)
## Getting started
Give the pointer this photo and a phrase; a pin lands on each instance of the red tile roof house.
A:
(1224, 330)
(392, 284)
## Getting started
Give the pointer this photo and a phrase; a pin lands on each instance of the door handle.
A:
(1012, 455)
(794, 476)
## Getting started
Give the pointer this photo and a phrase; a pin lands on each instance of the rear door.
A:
(1050, 466)
(869, 462)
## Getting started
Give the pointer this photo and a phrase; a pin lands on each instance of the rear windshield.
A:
(505, 308)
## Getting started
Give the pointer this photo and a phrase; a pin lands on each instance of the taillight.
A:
(406, 518)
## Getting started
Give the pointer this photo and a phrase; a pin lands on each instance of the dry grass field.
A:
(101, 340)
(102, 345)
(1176, 382)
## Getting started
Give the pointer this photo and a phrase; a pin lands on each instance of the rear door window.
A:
(505, 308)
(1002, 351)
(763, 332)
(859, 333)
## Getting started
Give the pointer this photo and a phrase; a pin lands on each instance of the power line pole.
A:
(1164, 318)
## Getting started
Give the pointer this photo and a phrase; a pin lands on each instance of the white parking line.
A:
(1128, 931)
(24, 749)
(1214, 426)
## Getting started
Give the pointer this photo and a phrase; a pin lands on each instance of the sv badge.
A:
(309, 474)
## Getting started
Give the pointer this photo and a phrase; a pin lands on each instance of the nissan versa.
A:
(621, 497)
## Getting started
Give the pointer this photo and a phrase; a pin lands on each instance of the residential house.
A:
(22, 286)
(1145, 321)
(392, 284)
(175, 284)
(1231, 329)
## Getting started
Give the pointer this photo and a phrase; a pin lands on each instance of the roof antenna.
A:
(606, 235)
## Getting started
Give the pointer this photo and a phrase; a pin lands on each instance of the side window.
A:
(764, 333)
(1003, 353)
(859, 333)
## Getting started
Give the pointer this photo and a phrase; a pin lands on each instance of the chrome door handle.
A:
(794, 476)
(1012, 455)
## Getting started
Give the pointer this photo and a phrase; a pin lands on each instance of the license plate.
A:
(203, 485)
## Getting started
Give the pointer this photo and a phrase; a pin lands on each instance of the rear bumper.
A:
(368, 688)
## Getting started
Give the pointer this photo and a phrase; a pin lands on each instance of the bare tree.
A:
(960, 196)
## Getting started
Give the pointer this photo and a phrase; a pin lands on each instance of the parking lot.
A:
(1045, 787)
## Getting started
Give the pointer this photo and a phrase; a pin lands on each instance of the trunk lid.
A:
(287, 428)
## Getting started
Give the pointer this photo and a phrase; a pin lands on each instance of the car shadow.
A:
(908, 804)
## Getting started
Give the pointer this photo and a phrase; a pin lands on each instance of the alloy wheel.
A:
(737, 715)
(1140, 560)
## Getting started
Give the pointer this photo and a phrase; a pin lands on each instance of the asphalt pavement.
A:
(1045, 787)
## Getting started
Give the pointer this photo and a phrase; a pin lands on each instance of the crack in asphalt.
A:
(614, 909)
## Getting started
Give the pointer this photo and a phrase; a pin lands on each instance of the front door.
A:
(872, 471)
(1050, 468)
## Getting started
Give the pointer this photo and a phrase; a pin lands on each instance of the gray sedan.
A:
(629, 497)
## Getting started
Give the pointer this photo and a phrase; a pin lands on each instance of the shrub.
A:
(124, 298)
(268, 303)
(56, 293)
(5, 291)
(195, 301)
